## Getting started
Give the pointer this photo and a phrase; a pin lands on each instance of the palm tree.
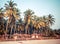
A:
(47, 21)
(11, 8)
(28, 13)
(39, 25)
(13, 13)
(35, 23)
(1, 21)
(10, 5)
(50, 20)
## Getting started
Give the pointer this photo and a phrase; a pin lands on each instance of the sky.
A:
(40, 7)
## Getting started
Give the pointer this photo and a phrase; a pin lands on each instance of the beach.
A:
(50, 41)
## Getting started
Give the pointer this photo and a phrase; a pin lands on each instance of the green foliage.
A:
(28, 12)
(10, 4)
(29, 20)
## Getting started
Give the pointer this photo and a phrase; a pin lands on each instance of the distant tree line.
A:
(29, 25)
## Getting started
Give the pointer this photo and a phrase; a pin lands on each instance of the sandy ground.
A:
(56, 41)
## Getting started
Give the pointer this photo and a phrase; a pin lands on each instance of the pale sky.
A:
(40, 7)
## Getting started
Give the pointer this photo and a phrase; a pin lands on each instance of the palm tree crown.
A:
(50, 19)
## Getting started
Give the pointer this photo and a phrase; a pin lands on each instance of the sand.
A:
(54, 41)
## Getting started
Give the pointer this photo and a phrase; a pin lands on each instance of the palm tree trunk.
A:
(26, 29)
(11, 31)
(6, 27)
(14, 28)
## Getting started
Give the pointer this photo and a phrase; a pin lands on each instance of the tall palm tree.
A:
(13, 13)
(28, 13)
(49, 20)
(1, 21)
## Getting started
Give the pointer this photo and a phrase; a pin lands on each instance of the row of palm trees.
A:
(31, 23)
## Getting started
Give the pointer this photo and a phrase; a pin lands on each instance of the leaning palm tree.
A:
(28, 13)
(49, 20)
(13, 13)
